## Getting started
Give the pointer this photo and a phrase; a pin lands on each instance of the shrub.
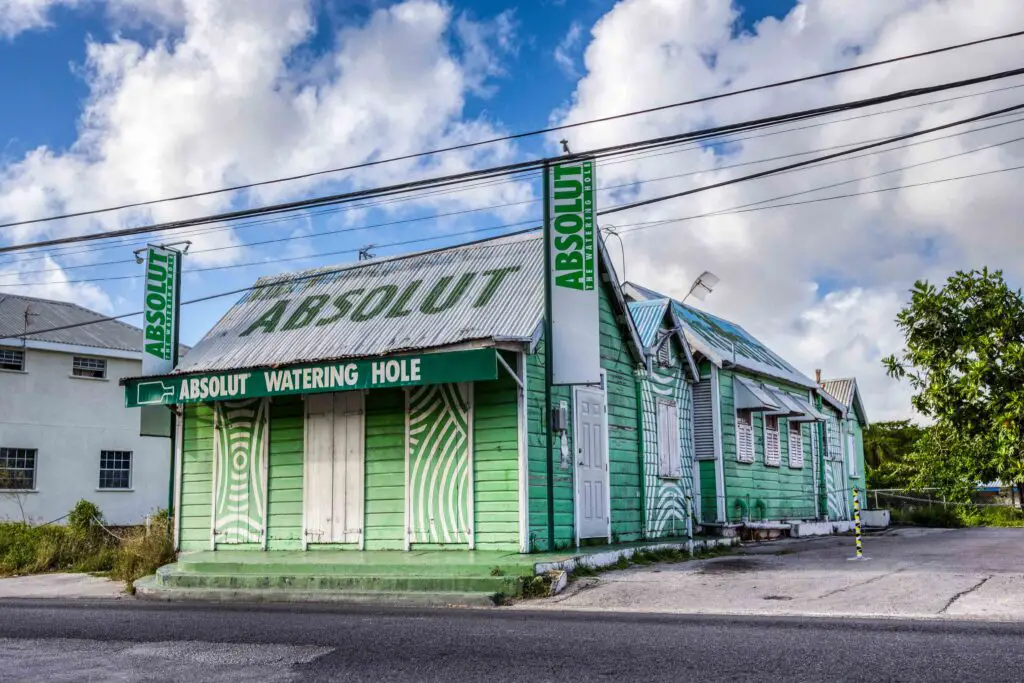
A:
(142, 552)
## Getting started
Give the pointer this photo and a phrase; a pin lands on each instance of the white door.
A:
(333, 501)
(591, 464)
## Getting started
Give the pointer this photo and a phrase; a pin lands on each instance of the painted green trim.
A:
(311, 378)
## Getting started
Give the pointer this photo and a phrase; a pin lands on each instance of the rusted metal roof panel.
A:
(486, 291)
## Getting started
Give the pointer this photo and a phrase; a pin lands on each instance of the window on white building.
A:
(744, 436)
(95, 368)
(796, 444)
(772, 451)
(669, 463)
(12, 359)
(115, 469)
(18, 469)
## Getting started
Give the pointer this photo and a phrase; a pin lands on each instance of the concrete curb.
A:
(607, 558)
(148, 589)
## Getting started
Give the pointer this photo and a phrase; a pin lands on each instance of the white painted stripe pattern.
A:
(439, 464)
(239, 501)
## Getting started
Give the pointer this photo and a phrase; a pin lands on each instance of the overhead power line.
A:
(542, 131)
(612, 151)
(806, 162)
(21, 273)
(628, 228)
(115, 242)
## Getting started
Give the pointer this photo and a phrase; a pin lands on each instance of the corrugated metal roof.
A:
(722, 341)
(488, 290)
(45, 313)
(841, 389)
(648, 317)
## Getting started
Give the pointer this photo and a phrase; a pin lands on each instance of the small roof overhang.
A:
(808, 412)
(751, 396)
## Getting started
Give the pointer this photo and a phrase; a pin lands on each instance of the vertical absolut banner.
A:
(572, 274)
(160, 311)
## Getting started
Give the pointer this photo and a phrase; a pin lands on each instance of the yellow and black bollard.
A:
(856, 525)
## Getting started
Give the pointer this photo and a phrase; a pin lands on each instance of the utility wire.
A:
(533, 164)
(115, 243)
(806, 162)
(621, 228)
(607, 188)
(631, 227)
(542, 131)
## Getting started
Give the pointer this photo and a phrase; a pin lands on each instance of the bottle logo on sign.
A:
(573, 226)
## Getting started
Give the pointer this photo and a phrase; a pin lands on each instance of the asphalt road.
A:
(156, 642)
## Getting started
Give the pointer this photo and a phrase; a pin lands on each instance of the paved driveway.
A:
(954, 573)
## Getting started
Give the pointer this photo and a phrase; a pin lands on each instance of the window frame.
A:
(10, 452)
(749, 426)
(112, 471)
(850, 446)
(15, 350)
(88, 359)
(673, 467)
(777, 451)
(800, 441)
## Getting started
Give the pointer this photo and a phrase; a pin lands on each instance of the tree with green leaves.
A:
(887, 447)
(964, 359)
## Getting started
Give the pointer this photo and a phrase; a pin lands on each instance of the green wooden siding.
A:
(496, 462)
(708, 492)
(385, 470)
(756, 490)
(625, 480)
(565, 534)
(196, 478)
(284, 475)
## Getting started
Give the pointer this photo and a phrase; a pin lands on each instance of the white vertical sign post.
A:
(572, 274)
(572, 339)
(160, 308)
(160, 311)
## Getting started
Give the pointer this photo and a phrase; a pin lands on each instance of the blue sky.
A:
(113, 101)
(47, 67)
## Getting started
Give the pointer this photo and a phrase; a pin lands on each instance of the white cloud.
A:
(222, 100)
(23, 15)
(52, 284)
(819, 283)
(565, 51)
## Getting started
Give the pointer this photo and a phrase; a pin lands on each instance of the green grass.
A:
(83, 545)
(958, 517)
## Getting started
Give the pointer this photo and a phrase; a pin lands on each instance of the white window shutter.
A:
(669, 463)
(796, 445)
(772, 453)
(744, 437)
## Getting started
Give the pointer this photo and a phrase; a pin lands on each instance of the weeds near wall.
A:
(85, 544)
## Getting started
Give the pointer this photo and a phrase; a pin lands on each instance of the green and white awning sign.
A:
(372, 373)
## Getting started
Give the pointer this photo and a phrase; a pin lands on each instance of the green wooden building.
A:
(760, 432)
(844, 438)
(397, 404)
(665, 387)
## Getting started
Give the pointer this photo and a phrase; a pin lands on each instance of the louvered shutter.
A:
(668, 440)
(772, 454)
(744, 437)
(796, 445)
(703, 421)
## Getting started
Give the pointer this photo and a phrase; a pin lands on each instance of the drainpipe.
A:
(639, 378)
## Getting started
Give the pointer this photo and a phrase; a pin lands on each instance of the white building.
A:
(65, 434)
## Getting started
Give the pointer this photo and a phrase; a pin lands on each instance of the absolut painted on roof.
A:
(489, 290)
